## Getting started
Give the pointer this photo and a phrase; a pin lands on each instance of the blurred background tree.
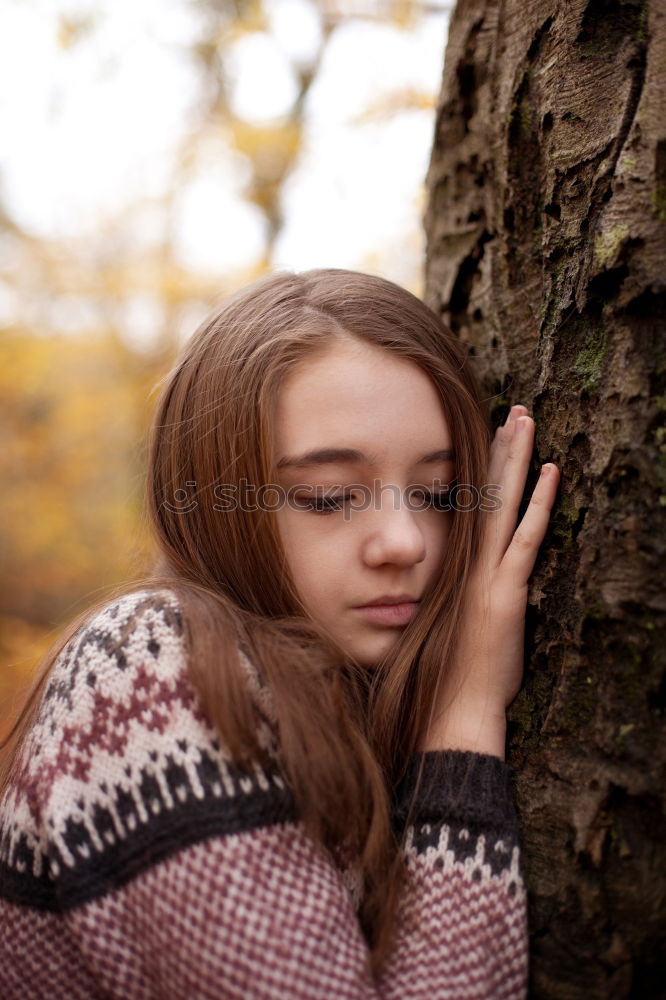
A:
(157, 155)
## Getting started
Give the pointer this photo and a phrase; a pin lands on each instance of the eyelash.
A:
(325, 505)
(433, 499)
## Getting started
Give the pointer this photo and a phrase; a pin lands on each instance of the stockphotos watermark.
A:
(348, 499)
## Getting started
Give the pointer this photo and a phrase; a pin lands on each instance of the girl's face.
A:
(384, 450)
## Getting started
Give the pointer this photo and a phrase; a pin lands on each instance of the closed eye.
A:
(324, 504)
(419, 499)
(437, 499)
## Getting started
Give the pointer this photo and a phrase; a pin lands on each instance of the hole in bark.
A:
(466, 88)
(649, 305)
(509, 219)
(553, 210)
(462, 287)
(547, 122)
(657, 699)
(474, 216)
(493, 342)
(468, 71)
(580, 451)
(533, 50)
(525, 179)
(477, 315)
(606, 25)
(556, 254)
(500, 413)
(606, 285)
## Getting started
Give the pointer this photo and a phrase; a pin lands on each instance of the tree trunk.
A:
(546, 228)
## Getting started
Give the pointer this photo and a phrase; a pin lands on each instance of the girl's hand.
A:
(488, 657)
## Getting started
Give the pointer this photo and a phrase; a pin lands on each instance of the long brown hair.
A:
(213, 426)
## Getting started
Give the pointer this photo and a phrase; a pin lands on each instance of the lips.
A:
(394, 611)
(387, 600)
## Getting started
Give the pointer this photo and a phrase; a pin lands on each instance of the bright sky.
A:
(88, 130)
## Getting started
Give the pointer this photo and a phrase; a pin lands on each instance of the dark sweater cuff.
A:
(461, 787)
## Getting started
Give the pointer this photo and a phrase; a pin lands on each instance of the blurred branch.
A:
(401, 12)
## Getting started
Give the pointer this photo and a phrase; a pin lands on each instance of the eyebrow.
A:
(329, 456)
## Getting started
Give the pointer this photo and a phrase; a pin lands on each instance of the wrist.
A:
(478, 728)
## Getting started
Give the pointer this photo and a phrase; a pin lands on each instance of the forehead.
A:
(354, 394)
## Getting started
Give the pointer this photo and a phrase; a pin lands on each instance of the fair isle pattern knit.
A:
(137, 860)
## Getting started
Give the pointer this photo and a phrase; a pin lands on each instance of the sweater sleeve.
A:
(462, 922)
(137, 860)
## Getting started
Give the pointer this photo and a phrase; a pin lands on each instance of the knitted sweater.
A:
(138, 861)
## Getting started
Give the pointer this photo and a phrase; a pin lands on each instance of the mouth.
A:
(390, 611)
(386, 600)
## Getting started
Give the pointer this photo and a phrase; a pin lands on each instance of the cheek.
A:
(308, 552)
(438, 534)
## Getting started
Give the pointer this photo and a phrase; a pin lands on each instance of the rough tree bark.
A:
(546, 228)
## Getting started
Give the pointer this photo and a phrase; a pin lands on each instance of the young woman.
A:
(275, 768)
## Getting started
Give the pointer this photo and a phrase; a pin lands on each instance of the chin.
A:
(371, 658)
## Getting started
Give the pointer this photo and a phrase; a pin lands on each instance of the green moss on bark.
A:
(588, 364)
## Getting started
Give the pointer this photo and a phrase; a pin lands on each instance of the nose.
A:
(393, 536)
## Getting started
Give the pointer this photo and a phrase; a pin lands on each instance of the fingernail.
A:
(521, 423)
(545, 469)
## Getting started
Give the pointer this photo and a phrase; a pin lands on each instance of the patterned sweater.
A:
(137, 861)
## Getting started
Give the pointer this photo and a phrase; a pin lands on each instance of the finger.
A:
(520, 556)
(509, 472)
(519, 410)
(502, 440)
